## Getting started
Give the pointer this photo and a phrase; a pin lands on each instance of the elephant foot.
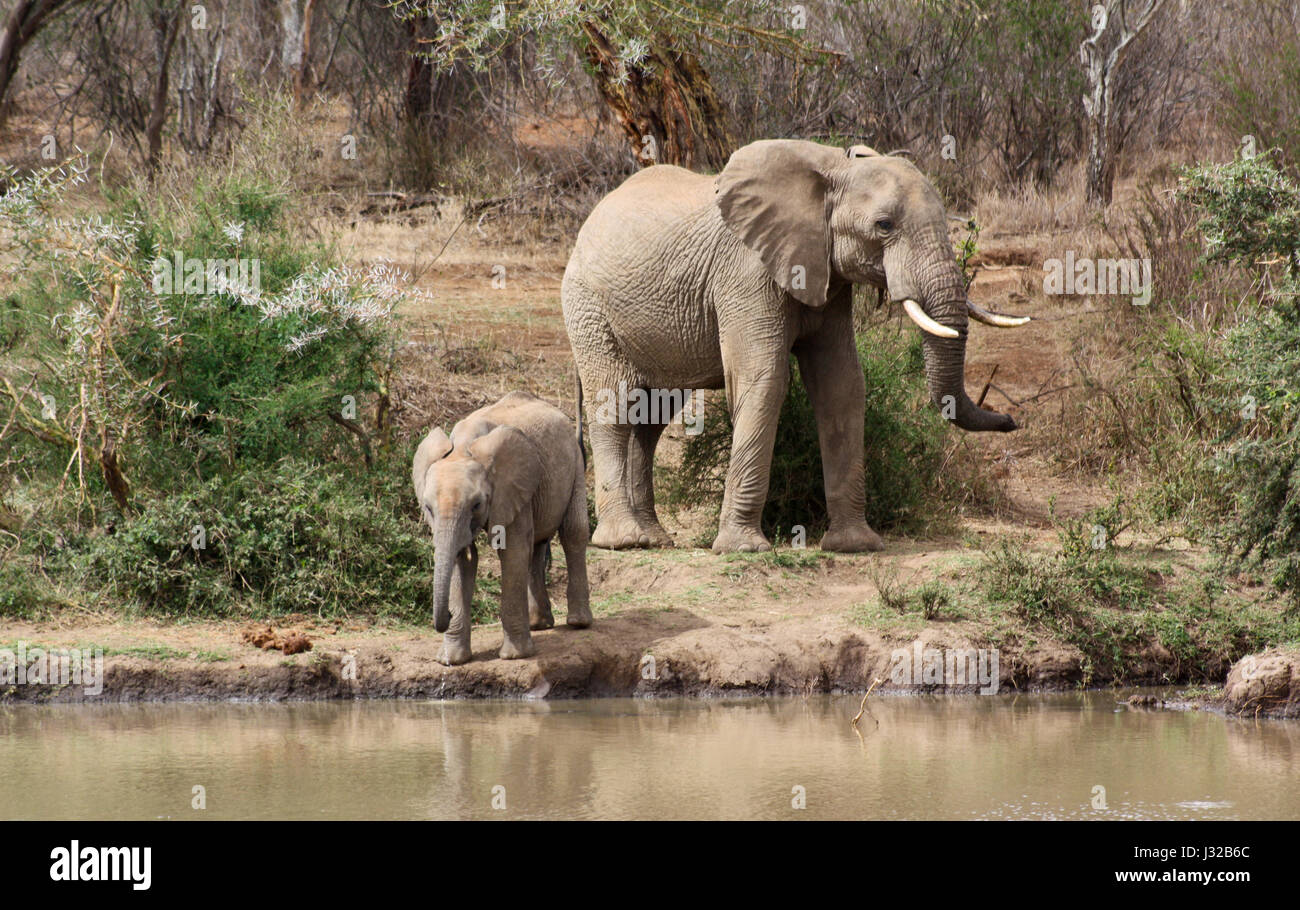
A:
(544, 621)
(655, 531)
(733, 539)
(517, 651)
(852, 539)
(454, 653)
(579, 617)
(621, 533)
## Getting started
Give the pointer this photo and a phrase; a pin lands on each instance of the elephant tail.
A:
(581, 445)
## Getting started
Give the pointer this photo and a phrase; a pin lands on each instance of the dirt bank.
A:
(638, 653)
(677, 622)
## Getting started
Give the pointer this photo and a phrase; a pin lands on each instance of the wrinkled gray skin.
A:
(513, 469)
(680, 280)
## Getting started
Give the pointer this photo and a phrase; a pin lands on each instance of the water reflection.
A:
(1039, 756)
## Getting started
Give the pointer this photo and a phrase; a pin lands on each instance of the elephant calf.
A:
(515, 470)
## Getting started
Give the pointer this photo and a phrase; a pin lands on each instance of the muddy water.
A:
(922, 757)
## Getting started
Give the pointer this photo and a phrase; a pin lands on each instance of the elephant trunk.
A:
(945, 375)
(945, 358)
(450, 537)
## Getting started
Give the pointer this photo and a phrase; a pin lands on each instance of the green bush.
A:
(23, 594)
(1250, 210)
(1260, 465)
(192, 382)
(1251, 214)
(905, 444)
(1111, 607)
(293, 537)
(1215, 362)
(136, 415)
(1087, 572)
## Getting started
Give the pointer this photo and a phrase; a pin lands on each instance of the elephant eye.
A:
(884, 225)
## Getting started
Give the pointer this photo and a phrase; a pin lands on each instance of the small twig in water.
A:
(863, 707)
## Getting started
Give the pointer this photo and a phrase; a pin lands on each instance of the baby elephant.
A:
(515, 470)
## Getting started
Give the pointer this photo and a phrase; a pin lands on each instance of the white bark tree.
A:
(1115, 24)
(295, 46)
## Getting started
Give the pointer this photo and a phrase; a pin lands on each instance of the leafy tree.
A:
(1252, 217)
(643, 56)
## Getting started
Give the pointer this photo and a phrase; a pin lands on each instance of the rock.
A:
(1145, 701)
(1264, 684)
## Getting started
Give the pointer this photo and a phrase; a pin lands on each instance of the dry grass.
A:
(1087, 419)
(1030, 208)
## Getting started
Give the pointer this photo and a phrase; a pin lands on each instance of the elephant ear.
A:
(773, 195)
(514, 468)
(432, 448)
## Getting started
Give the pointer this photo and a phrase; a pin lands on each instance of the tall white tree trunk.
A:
(295, 42)
(1115, 24)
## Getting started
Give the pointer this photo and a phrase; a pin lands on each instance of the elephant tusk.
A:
(1001, 320)
(923, 320)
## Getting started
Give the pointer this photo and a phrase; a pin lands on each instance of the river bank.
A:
(635, 654)
(672, 623)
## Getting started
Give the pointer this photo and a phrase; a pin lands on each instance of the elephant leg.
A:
(455, 641)
(640, 473)
(832, 374)
(516, 571)
(539, 603)
(573, 537)
(755, 400)
(616, 526)
(603, 370)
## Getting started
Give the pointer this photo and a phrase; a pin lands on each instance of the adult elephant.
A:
(685, 281)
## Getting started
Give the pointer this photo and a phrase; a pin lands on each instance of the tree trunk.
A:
(1103, 56)
(166, 23)
(23, 22)
(419, 77)
(667, 106)
(295, 46)
(1101, 146)
(432, 100)
(302, 78)
(114, 479)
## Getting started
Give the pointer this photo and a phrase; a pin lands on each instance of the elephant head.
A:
(819, 217)
(482, 481)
